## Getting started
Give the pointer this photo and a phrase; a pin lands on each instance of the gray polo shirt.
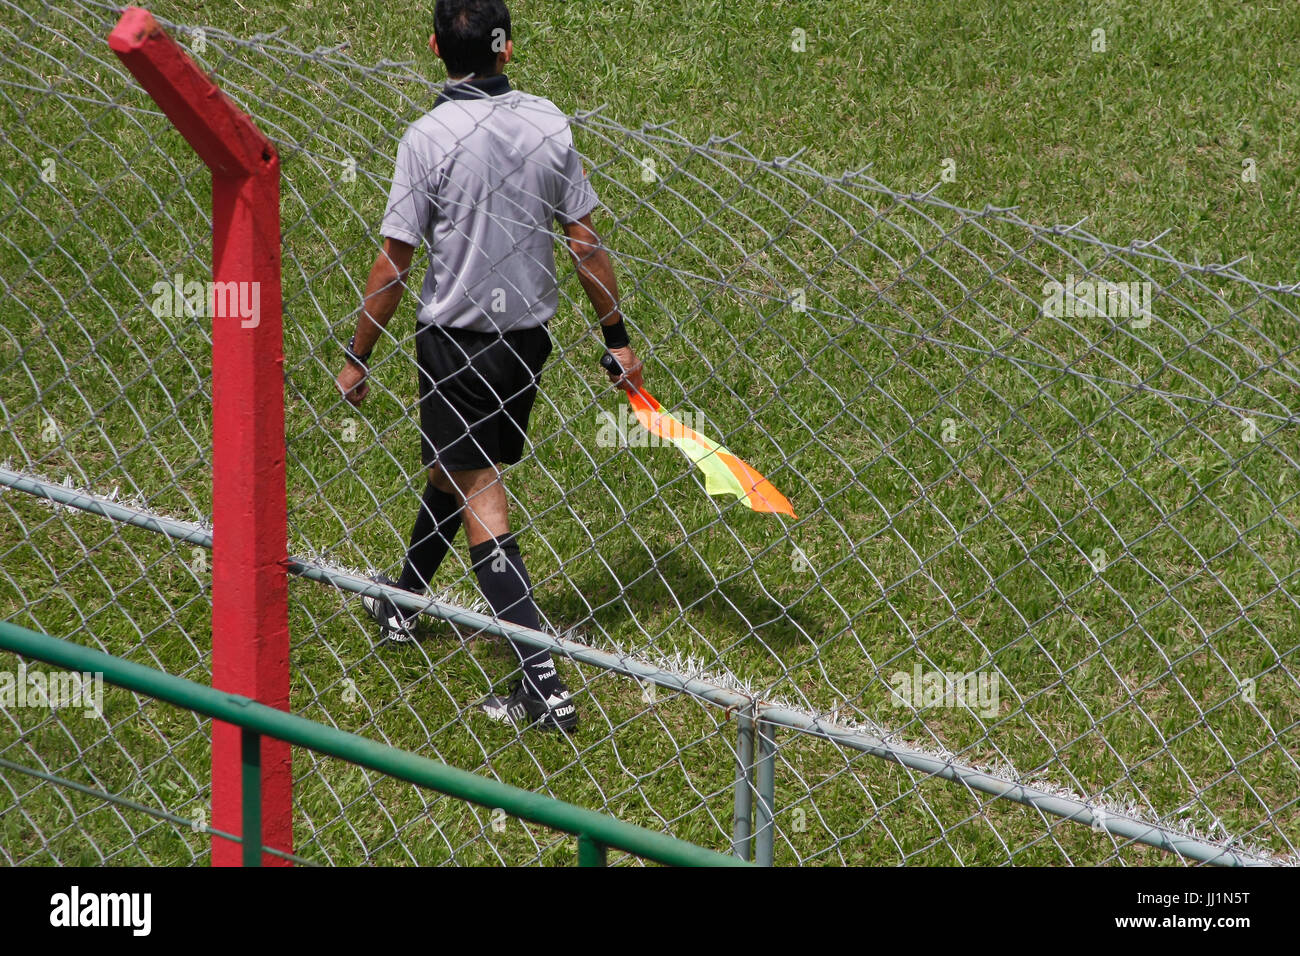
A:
(481, 178)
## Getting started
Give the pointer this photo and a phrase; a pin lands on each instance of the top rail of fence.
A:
(250, 715)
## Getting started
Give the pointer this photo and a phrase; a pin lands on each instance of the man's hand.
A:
(631, 377)
(384, 290)
(597, 277)
(352, 383)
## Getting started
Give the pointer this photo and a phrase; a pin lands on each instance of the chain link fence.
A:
(1038, 606)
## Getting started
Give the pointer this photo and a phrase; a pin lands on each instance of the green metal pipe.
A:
(251, 751)
(252, 716)
(590, 852)
(765, 783)
(742, 816)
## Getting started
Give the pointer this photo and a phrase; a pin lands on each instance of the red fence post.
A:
(250, 616)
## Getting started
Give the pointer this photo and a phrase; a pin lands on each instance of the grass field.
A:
(979, 487)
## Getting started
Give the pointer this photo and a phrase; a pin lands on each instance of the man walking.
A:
(481, 178)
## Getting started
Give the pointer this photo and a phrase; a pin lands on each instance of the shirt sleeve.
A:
(577, 197)
(410, 207)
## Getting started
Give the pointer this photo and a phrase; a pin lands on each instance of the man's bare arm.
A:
(384, 291)
(383, 295)
(596, 273)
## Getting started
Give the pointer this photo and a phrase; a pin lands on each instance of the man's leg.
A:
(502, 577)
(435, 529)
(487, 512)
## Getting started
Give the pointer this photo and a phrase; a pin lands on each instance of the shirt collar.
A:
(475, 88)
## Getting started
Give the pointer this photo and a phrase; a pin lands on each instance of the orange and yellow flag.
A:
(724, 473)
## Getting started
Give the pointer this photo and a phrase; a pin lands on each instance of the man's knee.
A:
(438, 478)
(474, 481)
(486, 508)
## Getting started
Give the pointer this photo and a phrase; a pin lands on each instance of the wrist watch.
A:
(350, 351)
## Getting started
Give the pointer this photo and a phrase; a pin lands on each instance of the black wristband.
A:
(361, 360)
(615, 335)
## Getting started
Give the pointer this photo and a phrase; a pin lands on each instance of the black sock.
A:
(431, 537)
(504, 581)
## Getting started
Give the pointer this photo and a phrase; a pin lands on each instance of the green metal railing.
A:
(596, 832)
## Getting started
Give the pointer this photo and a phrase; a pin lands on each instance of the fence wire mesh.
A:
(1043, 564)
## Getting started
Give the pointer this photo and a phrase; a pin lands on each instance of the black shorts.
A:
(476, 392)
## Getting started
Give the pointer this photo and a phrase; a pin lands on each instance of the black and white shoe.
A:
(394, 624)
(521, 708)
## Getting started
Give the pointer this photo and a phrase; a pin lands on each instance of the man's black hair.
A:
(468, 31)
